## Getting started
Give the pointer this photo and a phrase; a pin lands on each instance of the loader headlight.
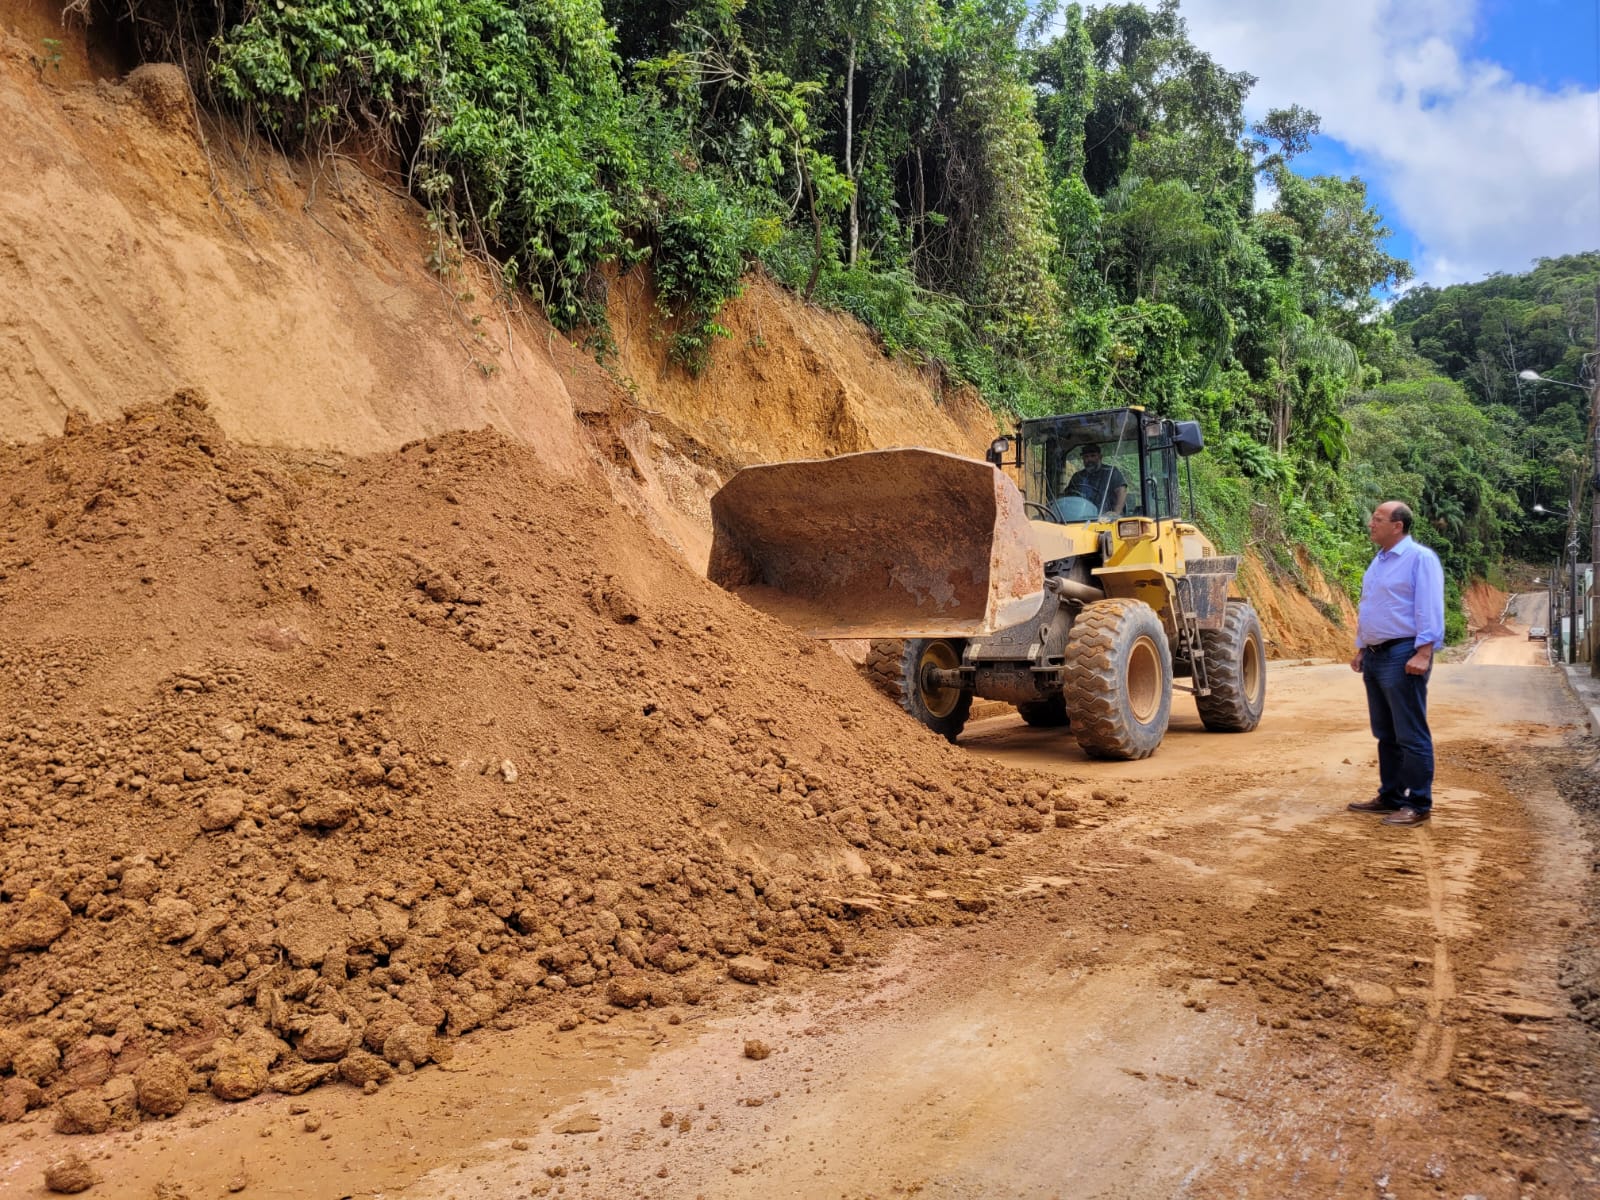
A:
(1135, 528)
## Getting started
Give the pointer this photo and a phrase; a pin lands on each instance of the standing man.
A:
(1400, 625)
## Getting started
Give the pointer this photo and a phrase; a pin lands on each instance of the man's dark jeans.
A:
(1397, 704)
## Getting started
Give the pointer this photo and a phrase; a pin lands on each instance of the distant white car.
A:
(1538, 633)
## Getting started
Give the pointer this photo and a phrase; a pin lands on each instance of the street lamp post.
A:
(1552, 626)
(1593, 392)
(1572, 605)
(1569, 643)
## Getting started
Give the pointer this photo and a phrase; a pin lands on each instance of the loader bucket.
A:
(889, 543)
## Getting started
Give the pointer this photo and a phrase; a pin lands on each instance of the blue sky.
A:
(1548, 43)
(1475, 123)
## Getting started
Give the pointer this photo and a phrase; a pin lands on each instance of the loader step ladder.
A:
(1190, 639)
(1200, 599)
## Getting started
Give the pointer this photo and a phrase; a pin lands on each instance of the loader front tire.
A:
(943, 710)
(1118, 679)
(1236, 670)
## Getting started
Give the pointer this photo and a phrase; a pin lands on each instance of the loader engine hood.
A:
(888, 543)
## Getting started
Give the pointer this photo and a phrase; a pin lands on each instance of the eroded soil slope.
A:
(307, 764)
(147, 249)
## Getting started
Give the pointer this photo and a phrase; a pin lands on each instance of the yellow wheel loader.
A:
(1061, 575)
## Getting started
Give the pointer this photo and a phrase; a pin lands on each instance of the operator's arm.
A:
(1119, 490)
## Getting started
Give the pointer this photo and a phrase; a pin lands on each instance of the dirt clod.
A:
(749, 968)
(33, 924)
(630, 991)
(361, 1068)
(238, 1076)
(82, 1112)
(162, 1085)
(222, 809)
(301, 1078)
(756, 1049)
(35, 1060)
(326, 1039)
(69, 1175)
(163, 89)
(582, 1123)
(409, 1044)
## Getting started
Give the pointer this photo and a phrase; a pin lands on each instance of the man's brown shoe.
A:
(1373, 806)
(1407, 816)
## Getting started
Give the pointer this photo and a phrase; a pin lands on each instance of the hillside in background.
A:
(1061, 208)
(1515, 442)
(1452, 426)
(305, 315)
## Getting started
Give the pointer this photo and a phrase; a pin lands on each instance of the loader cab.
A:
(1100, 466)
(1084, 467)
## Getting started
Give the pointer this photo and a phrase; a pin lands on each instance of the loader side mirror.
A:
(998, 449)
(1187, 438)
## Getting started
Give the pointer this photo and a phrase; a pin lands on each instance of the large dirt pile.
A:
(308, 764)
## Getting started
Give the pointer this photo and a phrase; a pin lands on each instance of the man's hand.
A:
(1355, 663)
(1420, 661)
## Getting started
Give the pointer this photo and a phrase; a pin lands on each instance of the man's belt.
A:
(1391, 642)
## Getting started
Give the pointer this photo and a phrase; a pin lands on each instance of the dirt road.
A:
(1208, 980)
(1506, 643)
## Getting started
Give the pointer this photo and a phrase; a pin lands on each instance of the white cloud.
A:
(1486, 172)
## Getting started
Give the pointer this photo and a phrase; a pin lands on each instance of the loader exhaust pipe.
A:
(1073, 590)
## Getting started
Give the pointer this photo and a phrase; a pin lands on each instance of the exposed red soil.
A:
(1485, 605)
(299, 754)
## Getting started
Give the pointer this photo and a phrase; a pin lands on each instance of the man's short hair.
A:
(1402, 513)
(1090, 448)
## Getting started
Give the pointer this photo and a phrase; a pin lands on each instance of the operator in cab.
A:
(1097, 481)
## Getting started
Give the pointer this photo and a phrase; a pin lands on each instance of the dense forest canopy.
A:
(1485, 336)
(1065, 207)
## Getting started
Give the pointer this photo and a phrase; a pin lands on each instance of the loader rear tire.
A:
(943, 710)
(1236, 670)
(1045, 714)
(1118, 679)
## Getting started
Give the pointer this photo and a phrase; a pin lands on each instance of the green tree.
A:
(1426, 442)
(1332, 243)
(1162, 107)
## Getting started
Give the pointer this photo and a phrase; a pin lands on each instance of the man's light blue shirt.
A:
(1402, 596)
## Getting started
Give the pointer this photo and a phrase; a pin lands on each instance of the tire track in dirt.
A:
(1436, 1041)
